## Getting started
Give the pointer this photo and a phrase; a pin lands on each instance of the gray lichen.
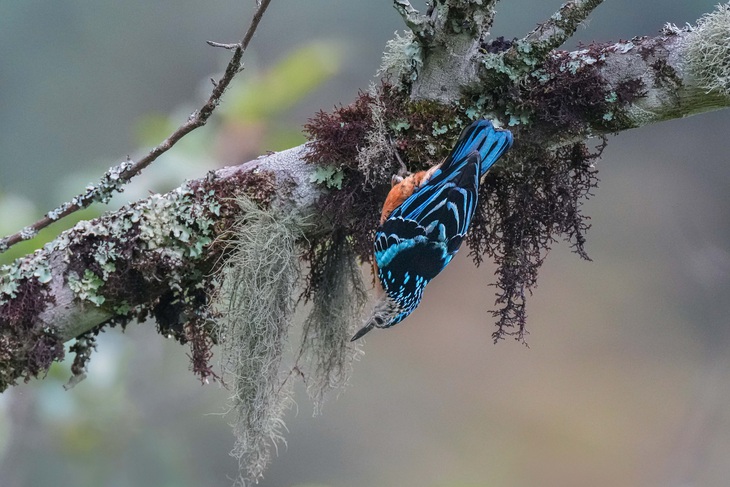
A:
(707, 53)
(402, 58)
(335, 316)
(256, 303)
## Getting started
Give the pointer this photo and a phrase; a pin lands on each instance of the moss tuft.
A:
(335, 137)
(256, 303)
(523, 211)
(707, 51)
(26, 349)
(335, 316)
(199, 334)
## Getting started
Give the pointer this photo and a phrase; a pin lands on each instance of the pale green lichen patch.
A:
(87, 287)
(180, 221)
(495, 63)
(176, 227)
(12, 275)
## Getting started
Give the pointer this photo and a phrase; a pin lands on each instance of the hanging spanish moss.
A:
(336, 308)
(256, 302)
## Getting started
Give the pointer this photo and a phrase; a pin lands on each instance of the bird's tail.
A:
(481, 136)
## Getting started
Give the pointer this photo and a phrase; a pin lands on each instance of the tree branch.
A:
(607, 88)
(114, 179)
(419, 24)
(159, 257)
(119, 266)
(551, 34)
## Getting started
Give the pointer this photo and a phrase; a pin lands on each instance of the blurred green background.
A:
(624, 383)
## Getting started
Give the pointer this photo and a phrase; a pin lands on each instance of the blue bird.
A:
(424, 220)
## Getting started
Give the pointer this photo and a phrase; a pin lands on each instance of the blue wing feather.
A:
(421, 236)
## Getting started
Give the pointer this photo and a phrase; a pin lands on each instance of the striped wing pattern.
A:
(423, 234)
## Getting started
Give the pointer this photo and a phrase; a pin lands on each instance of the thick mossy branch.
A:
(255, 305)
(131, 264)
(609, 87)
(570, 95)
(334, 318)
(150, 259)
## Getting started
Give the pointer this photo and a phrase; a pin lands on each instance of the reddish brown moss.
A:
(566, 100)
(198, 333)
(524, 210)
(569, 96)
(22, 311)
(258, 185)
(26, 349)
(334, 141)
(82, 349)
(336, 138)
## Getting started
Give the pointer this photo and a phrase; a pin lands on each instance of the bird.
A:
(424, 219)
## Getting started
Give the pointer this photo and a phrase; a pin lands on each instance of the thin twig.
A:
(419, 24)
(555, 31)
(562, 24)
(230, 47)
(114, 179)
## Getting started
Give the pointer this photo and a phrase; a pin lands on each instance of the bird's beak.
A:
(363, 331)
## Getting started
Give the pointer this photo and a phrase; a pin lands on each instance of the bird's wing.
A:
(424, 232)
